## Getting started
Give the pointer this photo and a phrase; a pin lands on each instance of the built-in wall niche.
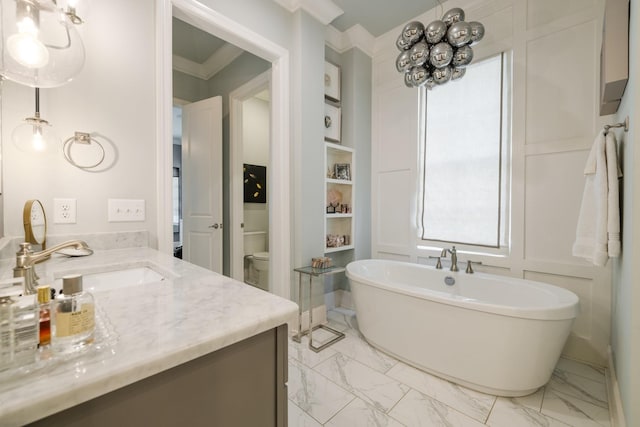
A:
(614, 55)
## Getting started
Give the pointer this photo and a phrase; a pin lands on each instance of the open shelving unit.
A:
(339, 217)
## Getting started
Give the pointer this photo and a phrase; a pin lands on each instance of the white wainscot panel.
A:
(583, 288)
(393, 257)
(561, 82)
(396, 123)
(498, 30)
(553, 193)
(541, 12)
(393, 208)
(591, 329)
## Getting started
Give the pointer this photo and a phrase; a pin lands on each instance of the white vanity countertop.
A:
(150, 328)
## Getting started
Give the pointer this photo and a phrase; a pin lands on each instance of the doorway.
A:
(250, 118)
(208, 20)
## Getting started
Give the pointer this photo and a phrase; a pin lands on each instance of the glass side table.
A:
(314, 272)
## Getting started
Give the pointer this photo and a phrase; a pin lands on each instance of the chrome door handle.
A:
(216, 226)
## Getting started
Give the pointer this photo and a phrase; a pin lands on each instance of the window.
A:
(465, 157)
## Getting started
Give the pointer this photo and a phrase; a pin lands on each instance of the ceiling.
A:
(379, 16)
(376, 16)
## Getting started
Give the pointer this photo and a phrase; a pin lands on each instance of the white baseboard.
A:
(319, 318)
(616, 412)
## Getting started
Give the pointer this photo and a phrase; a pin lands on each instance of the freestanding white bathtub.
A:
(494, 334)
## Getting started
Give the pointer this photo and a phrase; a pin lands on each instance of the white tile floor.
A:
(351, 384)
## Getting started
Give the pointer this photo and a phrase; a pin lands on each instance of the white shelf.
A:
(339, 181)
(339, 215)
(340, 224)
(338, 249)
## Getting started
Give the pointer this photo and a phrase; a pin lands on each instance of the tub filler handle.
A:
(469, 269)
(438, 262)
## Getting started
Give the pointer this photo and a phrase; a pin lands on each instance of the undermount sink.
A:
(113, 278)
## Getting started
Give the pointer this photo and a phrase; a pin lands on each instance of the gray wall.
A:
(625, 336)
(356, 81)
(307, 113)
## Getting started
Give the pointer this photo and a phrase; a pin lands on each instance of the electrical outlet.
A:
(125, 210)
(64, 211)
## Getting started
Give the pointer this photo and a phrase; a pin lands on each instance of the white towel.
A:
(598, 230)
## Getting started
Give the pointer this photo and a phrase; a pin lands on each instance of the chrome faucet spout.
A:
(26, 258)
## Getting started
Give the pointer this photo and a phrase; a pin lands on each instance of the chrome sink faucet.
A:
(454, 257)
(26, 258)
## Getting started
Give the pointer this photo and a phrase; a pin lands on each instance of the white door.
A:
(202, 183)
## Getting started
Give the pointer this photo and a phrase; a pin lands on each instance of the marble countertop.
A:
(142, 329)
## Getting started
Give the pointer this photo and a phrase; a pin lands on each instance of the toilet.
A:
(255, 251)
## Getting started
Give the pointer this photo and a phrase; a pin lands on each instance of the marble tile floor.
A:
(350, 384)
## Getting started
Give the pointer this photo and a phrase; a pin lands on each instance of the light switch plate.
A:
(64, 211)
(126, 210)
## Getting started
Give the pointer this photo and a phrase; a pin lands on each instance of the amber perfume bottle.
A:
(44, 295)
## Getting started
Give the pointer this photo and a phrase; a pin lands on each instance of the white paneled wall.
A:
(556, 53)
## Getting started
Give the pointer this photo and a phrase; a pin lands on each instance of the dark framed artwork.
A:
(255, 183)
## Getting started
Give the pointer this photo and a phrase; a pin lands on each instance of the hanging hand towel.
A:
(598, 230)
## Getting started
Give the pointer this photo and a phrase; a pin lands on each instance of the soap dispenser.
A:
(73, 316)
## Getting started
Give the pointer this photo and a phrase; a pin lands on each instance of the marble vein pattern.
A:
(315, 394)
(472, 403)
(360, 414)
(378, 390)
(374, 389)
(156, 326)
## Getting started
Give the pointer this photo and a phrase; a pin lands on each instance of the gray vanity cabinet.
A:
(243, 384)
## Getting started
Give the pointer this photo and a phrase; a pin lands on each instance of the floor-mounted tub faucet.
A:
(454, 257)
(26, 258)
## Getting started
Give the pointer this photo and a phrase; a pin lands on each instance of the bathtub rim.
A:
(566, 308)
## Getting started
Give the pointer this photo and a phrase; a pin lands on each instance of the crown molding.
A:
(324, 11)
(356, 36)
(212, 66)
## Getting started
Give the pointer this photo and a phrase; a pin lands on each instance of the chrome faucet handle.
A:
(438, 263)
(469, 270)
(443, 253)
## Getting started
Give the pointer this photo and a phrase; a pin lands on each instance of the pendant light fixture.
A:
(439, 52)
(40, 45)
(35, 135)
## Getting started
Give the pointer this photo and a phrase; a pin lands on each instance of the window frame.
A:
(503, 247)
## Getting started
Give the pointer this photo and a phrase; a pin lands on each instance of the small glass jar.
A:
(44, 297)
(18, 328)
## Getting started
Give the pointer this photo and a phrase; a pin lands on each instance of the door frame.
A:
(236, 199)
(245, 38)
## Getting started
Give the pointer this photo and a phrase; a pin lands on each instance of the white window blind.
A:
(465, 195)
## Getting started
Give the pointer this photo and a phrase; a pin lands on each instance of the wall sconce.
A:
(71, 12)
(35, 135)
(40, 45)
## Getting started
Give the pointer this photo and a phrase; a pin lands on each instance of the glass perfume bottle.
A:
(44, 296)
(18, 328)
(73, 316)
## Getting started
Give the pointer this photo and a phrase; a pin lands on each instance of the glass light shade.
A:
(40, 45)
(35, 136)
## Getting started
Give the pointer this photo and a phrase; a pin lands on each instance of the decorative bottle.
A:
(44, 297)
(18, 328)
(73, 316)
